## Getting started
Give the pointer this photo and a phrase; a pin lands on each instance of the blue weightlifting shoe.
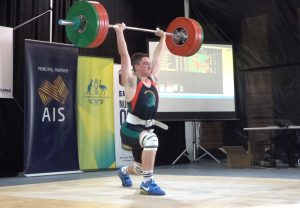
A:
(125, 178)
(151, 188)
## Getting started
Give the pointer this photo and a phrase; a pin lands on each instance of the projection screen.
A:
(200, 87)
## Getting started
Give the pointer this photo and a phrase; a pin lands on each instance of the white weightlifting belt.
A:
(132, 119)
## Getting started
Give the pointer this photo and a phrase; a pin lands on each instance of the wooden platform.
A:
(183, 191)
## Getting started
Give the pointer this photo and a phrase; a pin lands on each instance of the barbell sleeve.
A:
(65, 22)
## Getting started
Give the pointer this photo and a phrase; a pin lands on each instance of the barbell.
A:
(87, 25)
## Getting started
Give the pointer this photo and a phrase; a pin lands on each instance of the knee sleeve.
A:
(138, 169)
(149, 140)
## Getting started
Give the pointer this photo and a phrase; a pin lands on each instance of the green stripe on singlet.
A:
(130, 133)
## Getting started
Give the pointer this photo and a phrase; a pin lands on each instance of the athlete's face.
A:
(144, 67)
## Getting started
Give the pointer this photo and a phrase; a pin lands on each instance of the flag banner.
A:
(95, 122)
(123, 152)
(50, 142)
(6, 62)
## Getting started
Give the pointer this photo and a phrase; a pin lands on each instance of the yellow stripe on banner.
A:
(95, 123)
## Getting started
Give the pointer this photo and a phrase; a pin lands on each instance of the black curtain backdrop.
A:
(266, 40)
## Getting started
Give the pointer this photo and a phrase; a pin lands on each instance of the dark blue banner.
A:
(50, 142)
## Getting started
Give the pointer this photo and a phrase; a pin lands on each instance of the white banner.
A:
(6, 62)
(123, 155)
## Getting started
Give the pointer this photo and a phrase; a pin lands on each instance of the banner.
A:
(6, 62)
(95, 121)
(123, 153)
(50, 143)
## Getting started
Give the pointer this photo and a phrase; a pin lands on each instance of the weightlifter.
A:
(139, 77)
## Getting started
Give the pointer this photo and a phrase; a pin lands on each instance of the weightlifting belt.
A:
(132, 119)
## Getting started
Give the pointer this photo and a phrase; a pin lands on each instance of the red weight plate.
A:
(180, 23)
(200, 29)
(193, 40)
(103, 24)
(200, 37)
(194, 35)
(194, 46)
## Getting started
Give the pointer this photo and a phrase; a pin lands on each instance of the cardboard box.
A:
(237, 157)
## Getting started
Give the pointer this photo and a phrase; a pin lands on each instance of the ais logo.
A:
(50, 92)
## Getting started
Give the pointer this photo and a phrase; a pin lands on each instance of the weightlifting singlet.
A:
(145, 102)
(143, 105)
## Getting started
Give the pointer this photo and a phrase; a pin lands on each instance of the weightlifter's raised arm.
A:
(157, 54)
(126, 72)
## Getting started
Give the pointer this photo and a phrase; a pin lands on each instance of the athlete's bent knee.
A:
(149, 140)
